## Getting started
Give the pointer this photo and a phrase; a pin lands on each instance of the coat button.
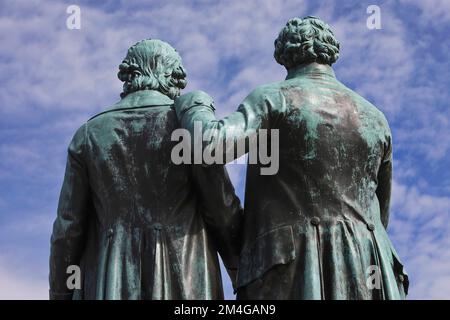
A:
(315, 221)
(157, 226)
(110, 232)
(371, 226)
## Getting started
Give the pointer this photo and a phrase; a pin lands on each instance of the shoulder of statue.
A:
(77, 144)
(192, 99)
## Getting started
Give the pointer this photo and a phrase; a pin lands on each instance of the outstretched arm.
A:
(195, 111)
(68, 235)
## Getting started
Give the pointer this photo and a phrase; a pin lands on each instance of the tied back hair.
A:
(152, 65)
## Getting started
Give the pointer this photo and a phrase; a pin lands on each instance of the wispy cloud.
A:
(16, 286)
(435, 11)
(53, 79)
(421, 232)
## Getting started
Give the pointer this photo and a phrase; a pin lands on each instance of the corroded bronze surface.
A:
(139, 226)
(317, 228)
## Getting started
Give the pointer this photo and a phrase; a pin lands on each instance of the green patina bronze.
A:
(316, 229)
(139, 226)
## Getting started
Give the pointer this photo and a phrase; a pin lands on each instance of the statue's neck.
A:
(310, 68)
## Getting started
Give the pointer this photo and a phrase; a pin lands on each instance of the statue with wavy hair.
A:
(152, 65)
(137, 225)
(316, 229)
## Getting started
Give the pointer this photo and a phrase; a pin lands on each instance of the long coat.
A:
(317, 228)
(139, 226)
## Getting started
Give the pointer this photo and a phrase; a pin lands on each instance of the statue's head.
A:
(304, 41)
(152, 65)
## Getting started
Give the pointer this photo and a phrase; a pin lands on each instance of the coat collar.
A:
(140, 99)
(143, 98)
(310, 69)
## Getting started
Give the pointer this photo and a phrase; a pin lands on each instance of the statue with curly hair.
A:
(304, 41)
(137, 225)
(316, 229)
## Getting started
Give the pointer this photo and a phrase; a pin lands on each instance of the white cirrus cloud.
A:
(53, 79)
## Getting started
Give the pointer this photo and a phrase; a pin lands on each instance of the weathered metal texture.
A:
(312, 230)
(139, 226)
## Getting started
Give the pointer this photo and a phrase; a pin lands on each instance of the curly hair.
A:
(152, 65)
(304, 41)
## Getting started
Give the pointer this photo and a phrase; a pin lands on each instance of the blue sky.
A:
(53, 79)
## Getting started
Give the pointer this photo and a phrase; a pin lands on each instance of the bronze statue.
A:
(317, 228)
(138, 225)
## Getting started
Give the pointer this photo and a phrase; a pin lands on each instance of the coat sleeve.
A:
(69, 228)
(221, 211)
(195, 111)
(383, 191)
